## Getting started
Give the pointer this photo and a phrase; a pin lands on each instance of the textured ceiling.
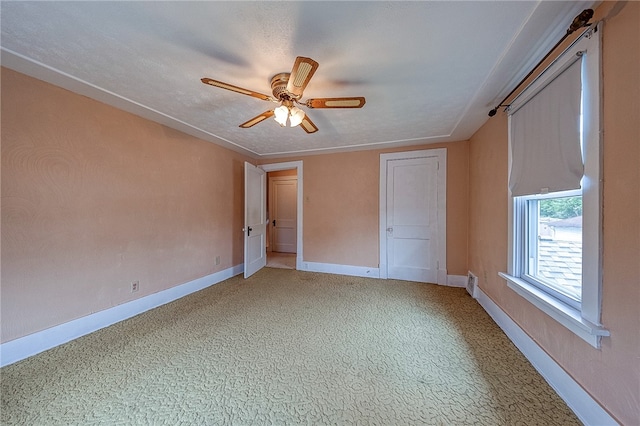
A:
(430, 71)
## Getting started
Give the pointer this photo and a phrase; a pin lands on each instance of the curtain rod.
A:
(580, 21)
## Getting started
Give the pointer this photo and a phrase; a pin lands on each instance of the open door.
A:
(255, 219)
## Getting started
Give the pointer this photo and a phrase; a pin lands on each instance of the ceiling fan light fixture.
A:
(296, 117)
(284, 112)
(281, 114)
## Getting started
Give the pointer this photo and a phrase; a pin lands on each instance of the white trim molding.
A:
(332, 268)
(24, 347)
(581, 403)
(569, 317)
(457, 281)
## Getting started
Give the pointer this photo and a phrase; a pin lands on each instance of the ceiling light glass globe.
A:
(297, 115)
(281, 114)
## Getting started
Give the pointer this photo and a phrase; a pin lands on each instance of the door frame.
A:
(441, 252)
(297, 165)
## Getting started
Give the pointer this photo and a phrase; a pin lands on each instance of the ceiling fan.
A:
(287, 89)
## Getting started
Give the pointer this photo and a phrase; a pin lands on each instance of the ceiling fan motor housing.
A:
(279, 86)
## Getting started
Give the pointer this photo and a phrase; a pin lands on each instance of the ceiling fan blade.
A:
(258, 119)
(307, 125)
(357, 102)
(301, 73)
(236, 89)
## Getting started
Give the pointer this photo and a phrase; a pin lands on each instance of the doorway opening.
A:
(284, 212)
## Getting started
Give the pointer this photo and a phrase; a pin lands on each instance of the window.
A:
(555, 192)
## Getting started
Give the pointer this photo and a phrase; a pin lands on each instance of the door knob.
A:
(274, 222)
(390, 229)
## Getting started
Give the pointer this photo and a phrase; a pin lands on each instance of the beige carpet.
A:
(290, 347)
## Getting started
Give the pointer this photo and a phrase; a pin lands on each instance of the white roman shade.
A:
(546, 154)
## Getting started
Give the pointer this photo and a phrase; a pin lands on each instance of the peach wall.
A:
(341, 206)
(94, 198)
(610, 374)
(340, 209)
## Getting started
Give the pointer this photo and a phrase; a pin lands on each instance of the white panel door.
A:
(412, 219)
(255, 219)
(283, 200)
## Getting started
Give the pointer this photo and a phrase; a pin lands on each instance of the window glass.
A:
(554, 255)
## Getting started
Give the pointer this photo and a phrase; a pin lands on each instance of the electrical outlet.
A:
(135, 286)
(217, 260)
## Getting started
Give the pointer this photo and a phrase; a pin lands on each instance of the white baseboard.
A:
(24, 347)
(457, 281)
(363, 271)
(582, 404)
(332, 268)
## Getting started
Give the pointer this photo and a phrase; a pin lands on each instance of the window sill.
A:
(566, 315)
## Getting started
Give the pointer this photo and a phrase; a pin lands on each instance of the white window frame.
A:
(524, 221)
(583, 320)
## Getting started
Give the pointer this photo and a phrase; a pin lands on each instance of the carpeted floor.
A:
(290, 347)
